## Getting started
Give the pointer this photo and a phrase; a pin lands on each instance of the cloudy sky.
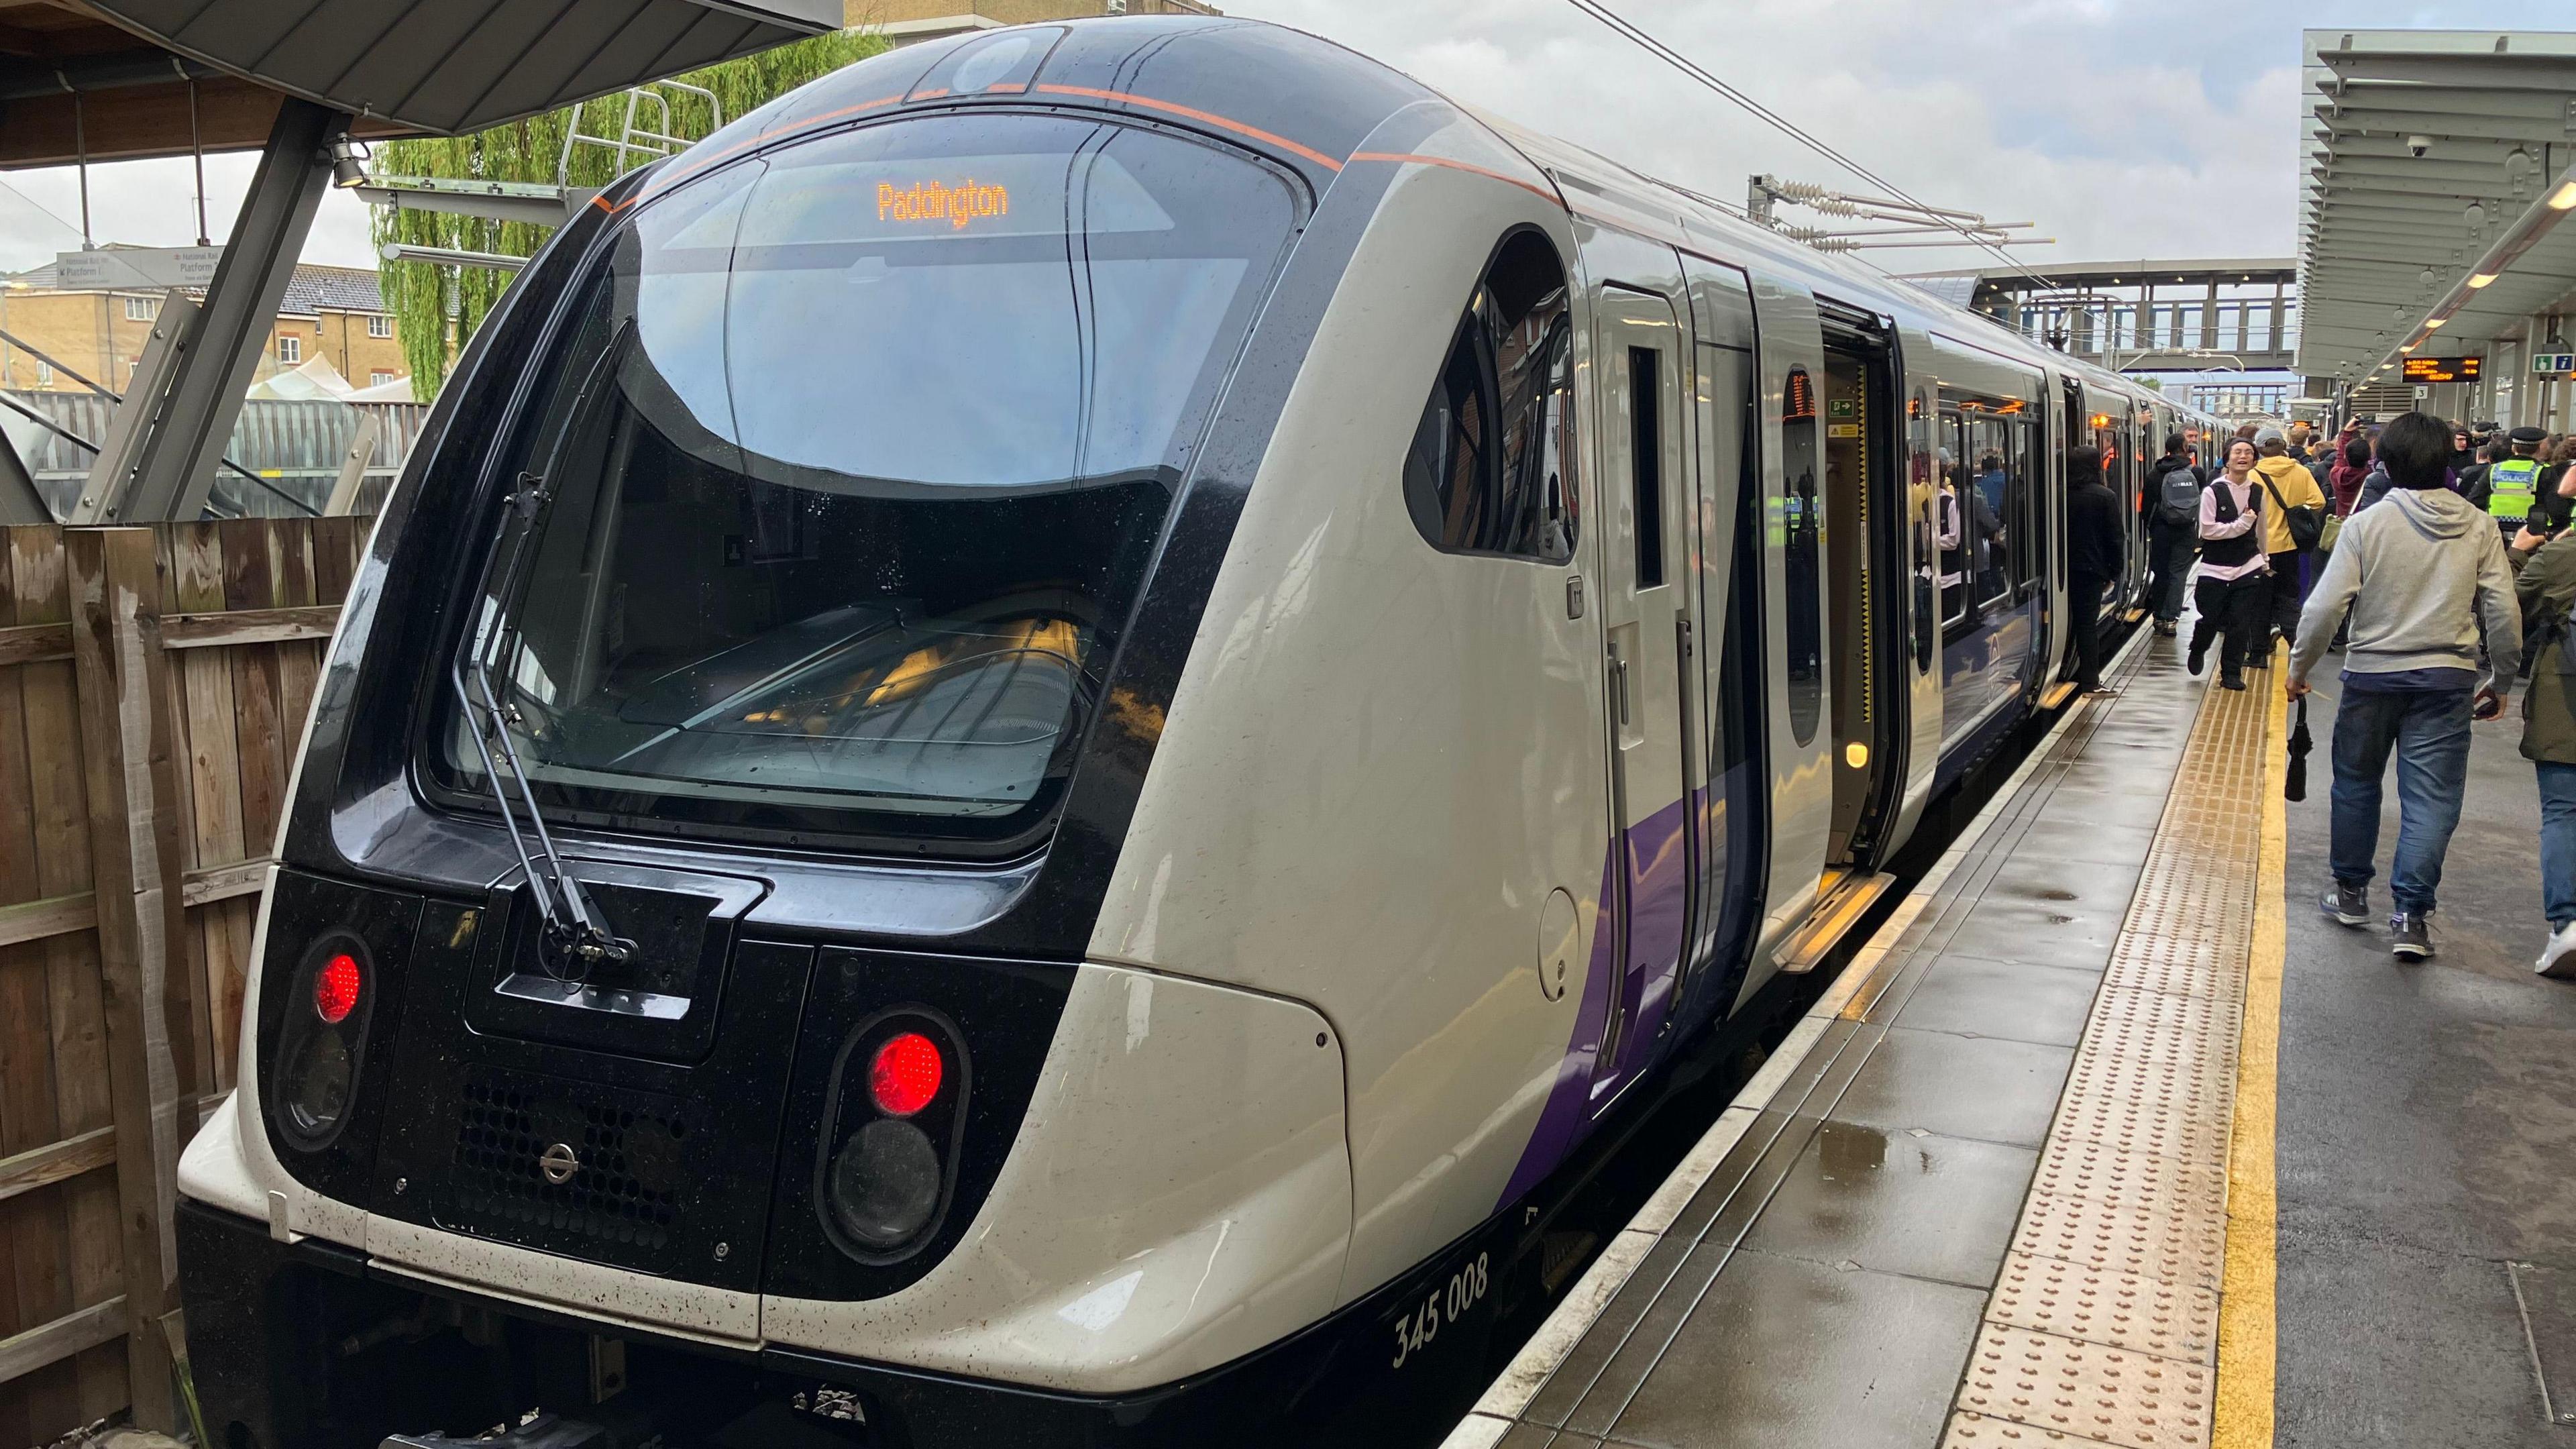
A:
(2124, 128)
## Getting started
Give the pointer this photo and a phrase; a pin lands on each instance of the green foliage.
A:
(530, 150)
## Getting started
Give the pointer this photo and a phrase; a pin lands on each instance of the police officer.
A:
(2510, 491)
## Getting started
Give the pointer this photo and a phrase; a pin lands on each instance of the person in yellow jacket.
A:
(2286, 485)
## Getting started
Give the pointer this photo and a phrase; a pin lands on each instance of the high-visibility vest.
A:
(2513, 484)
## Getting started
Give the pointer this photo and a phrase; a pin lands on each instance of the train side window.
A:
(2024, 461)
(1490, 470)
(1990, 484)
(1800, 524)
(1954, 538)
(1646, 461)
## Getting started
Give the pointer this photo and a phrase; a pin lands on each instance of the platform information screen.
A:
(2442, 369)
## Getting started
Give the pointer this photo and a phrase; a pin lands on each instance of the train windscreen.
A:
(851, 467)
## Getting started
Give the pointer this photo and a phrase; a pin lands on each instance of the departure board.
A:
(2442, 369)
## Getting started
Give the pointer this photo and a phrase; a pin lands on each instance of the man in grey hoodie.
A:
(2418, 575)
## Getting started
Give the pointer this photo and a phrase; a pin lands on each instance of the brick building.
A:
(336, 313)
(905, 21)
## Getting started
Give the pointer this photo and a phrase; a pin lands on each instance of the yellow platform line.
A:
(2248, 1323)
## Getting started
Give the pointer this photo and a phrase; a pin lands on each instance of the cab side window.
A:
(1491, 468)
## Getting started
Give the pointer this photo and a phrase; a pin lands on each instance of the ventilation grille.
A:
(625, 1189)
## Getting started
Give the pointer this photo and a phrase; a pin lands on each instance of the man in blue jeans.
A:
(2417, 575)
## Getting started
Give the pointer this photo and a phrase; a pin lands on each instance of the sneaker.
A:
(2349, 905)
(2233, 681)
(2165, 628)
(2410, 935)
(2199, 656)
(2558, 958)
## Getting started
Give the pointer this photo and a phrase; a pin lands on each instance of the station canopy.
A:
(2439, 165)
(112, 79)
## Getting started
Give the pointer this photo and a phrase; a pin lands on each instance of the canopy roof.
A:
(400, 65)
(2390, 240)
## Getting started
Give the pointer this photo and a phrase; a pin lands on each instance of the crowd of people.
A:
(2438, 561)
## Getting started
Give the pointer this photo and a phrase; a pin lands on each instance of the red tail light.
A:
(336, 987)
(905, 1074)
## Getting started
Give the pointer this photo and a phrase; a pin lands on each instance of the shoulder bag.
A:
(2307, 521)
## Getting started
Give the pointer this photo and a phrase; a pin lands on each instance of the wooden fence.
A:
(154, 684)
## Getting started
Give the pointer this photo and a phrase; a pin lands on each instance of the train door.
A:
(1733, 820)
(1640, 362)
(1865, 580)
(1796, 619)
(2143, 444)
(2071, 430)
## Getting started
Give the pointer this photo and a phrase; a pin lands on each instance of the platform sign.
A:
(2443, 369)
(2546, 363)
(142, 268)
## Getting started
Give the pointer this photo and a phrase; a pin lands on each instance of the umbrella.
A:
(2295, 786)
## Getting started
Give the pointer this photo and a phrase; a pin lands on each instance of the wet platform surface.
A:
(1985, 1195)
(2427, 1143)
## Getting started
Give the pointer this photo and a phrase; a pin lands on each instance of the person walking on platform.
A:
(2545, 580)
(2511, 488)
(2293, 495)
(2173, 530)
(2467, 481)
(2418, 573)
(2557, 490)
(2235, 586)
(2321, 459)
(2351, 470)
(2094, 557)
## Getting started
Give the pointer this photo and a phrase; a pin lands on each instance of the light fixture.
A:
(2432, 322)
(2409, 347)
(2482, 279)
(2563, 198)
(347, 158)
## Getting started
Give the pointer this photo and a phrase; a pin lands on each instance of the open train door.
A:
(2057, 679)
(1640, 360)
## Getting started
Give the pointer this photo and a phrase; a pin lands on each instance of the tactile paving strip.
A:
(2103, 1327)
(2107, 1394)
(2164, 1240)
(2142, 1314)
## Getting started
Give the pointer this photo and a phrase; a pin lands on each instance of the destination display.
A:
(2442, 369)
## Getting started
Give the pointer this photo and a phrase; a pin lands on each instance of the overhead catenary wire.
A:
(1784, 125)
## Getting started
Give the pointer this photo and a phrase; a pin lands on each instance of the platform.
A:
(2013, 1180)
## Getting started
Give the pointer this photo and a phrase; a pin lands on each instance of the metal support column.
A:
(21, 501)
(2209, 318)
(186, 424)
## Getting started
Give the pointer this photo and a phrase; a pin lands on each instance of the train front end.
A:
(672, 1019)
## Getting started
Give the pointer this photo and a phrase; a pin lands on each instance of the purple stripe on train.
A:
(1659, 900)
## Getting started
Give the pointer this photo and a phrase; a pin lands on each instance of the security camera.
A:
(2418, 145)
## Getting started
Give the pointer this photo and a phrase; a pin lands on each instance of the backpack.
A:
(2180, 494)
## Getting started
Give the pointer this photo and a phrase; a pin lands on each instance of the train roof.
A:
(1312, 104)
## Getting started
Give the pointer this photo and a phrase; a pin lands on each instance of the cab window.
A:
(1490, 469)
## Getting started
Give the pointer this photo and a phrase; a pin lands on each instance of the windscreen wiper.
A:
(575, 941)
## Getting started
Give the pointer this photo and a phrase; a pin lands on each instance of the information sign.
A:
(2549, 362)
(2442, 369)
(142, 268)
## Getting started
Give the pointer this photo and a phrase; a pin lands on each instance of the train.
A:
(1037, 740)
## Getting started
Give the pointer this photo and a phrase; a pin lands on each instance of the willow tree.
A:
(436, 308)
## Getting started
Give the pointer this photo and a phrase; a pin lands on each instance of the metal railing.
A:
(637, 141)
